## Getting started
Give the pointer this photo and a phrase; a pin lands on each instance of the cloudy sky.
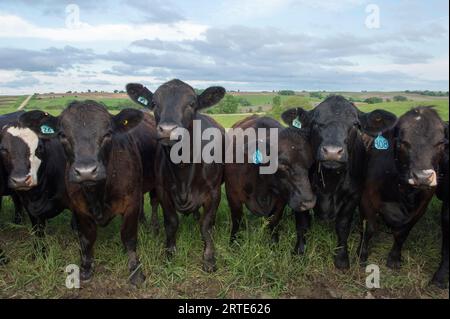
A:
(240, 44)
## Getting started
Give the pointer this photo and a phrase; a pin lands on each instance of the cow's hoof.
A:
(18, 220)
(155, 228)
(275, 238)
(86, 275)
(170, 252)
(137, 278)
(342, 262)
(394, 262)
(209, 266)
(299, 250)
(440, 280)
(3, 259)
(363, 260)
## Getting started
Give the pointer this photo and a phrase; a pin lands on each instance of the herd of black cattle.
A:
(333, 159)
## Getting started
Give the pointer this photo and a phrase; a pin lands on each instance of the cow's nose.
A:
(332, 153)
(17, 182)
(86, 172)
(308, 204)
(166, 129)
(426, 177)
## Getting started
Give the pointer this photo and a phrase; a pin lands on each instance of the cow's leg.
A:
(369, 224)
(395, 255)
(196, 215)
(18, 210)
(343, 226)
(142, 219)
(128, 235)
(207, 221)
(274, 221)
(440, 278)
(170, 226)
(401, 233)
(236, 212)
(38, 230)
(154, 203)
(302, 222)
(3, 259)
(87, 234)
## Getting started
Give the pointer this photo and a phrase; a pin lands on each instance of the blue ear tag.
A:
(257, 157)
(381, 143)
(296, 123)
(142, 100)
(45, 129)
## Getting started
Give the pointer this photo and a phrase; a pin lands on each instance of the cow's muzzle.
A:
(87, 173)
(21, 183)
(423, 178)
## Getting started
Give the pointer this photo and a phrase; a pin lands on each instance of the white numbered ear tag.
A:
(296, 123)
(381, 143)
(142, 100)
(45, 129)
(257, 157)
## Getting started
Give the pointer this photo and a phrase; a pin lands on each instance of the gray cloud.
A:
(155, 11)
(21, 81)
(48, 60)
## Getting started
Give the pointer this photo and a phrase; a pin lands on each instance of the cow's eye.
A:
(440, 144)
(3, 150)
(62, 136)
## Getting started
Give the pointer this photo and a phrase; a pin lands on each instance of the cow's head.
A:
(295, 159)
(174, 104)
(420, 141)
(22, 153)
(333, 126)
(86, 130)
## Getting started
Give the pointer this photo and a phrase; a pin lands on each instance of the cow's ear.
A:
(42, 123)
(377, 121)
(140, 94)
(210, 97)
(127, 119)
(296, 117)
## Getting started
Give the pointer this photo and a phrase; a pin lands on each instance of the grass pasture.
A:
(253, 268)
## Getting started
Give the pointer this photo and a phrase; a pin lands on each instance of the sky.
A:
(247, 45)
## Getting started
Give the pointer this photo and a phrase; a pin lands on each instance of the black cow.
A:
(146, 138)
(440, 278)
(335, 127)
(268, 194)
(35, 169)
(103, 173)
(402, 178)
(6, 119)
(184, 187)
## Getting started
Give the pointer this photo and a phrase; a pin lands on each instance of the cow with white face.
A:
(35, 176)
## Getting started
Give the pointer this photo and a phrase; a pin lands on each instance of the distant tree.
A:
(373, 100)
(116, 91)
(286, 92)
(400, 98)
(316, 95)
(291, 102)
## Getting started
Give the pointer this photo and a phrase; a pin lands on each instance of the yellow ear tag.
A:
(125, 122)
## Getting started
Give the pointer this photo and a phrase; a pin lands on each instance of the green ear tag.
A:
(45, 129)
(142, 100)
(296, 123)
